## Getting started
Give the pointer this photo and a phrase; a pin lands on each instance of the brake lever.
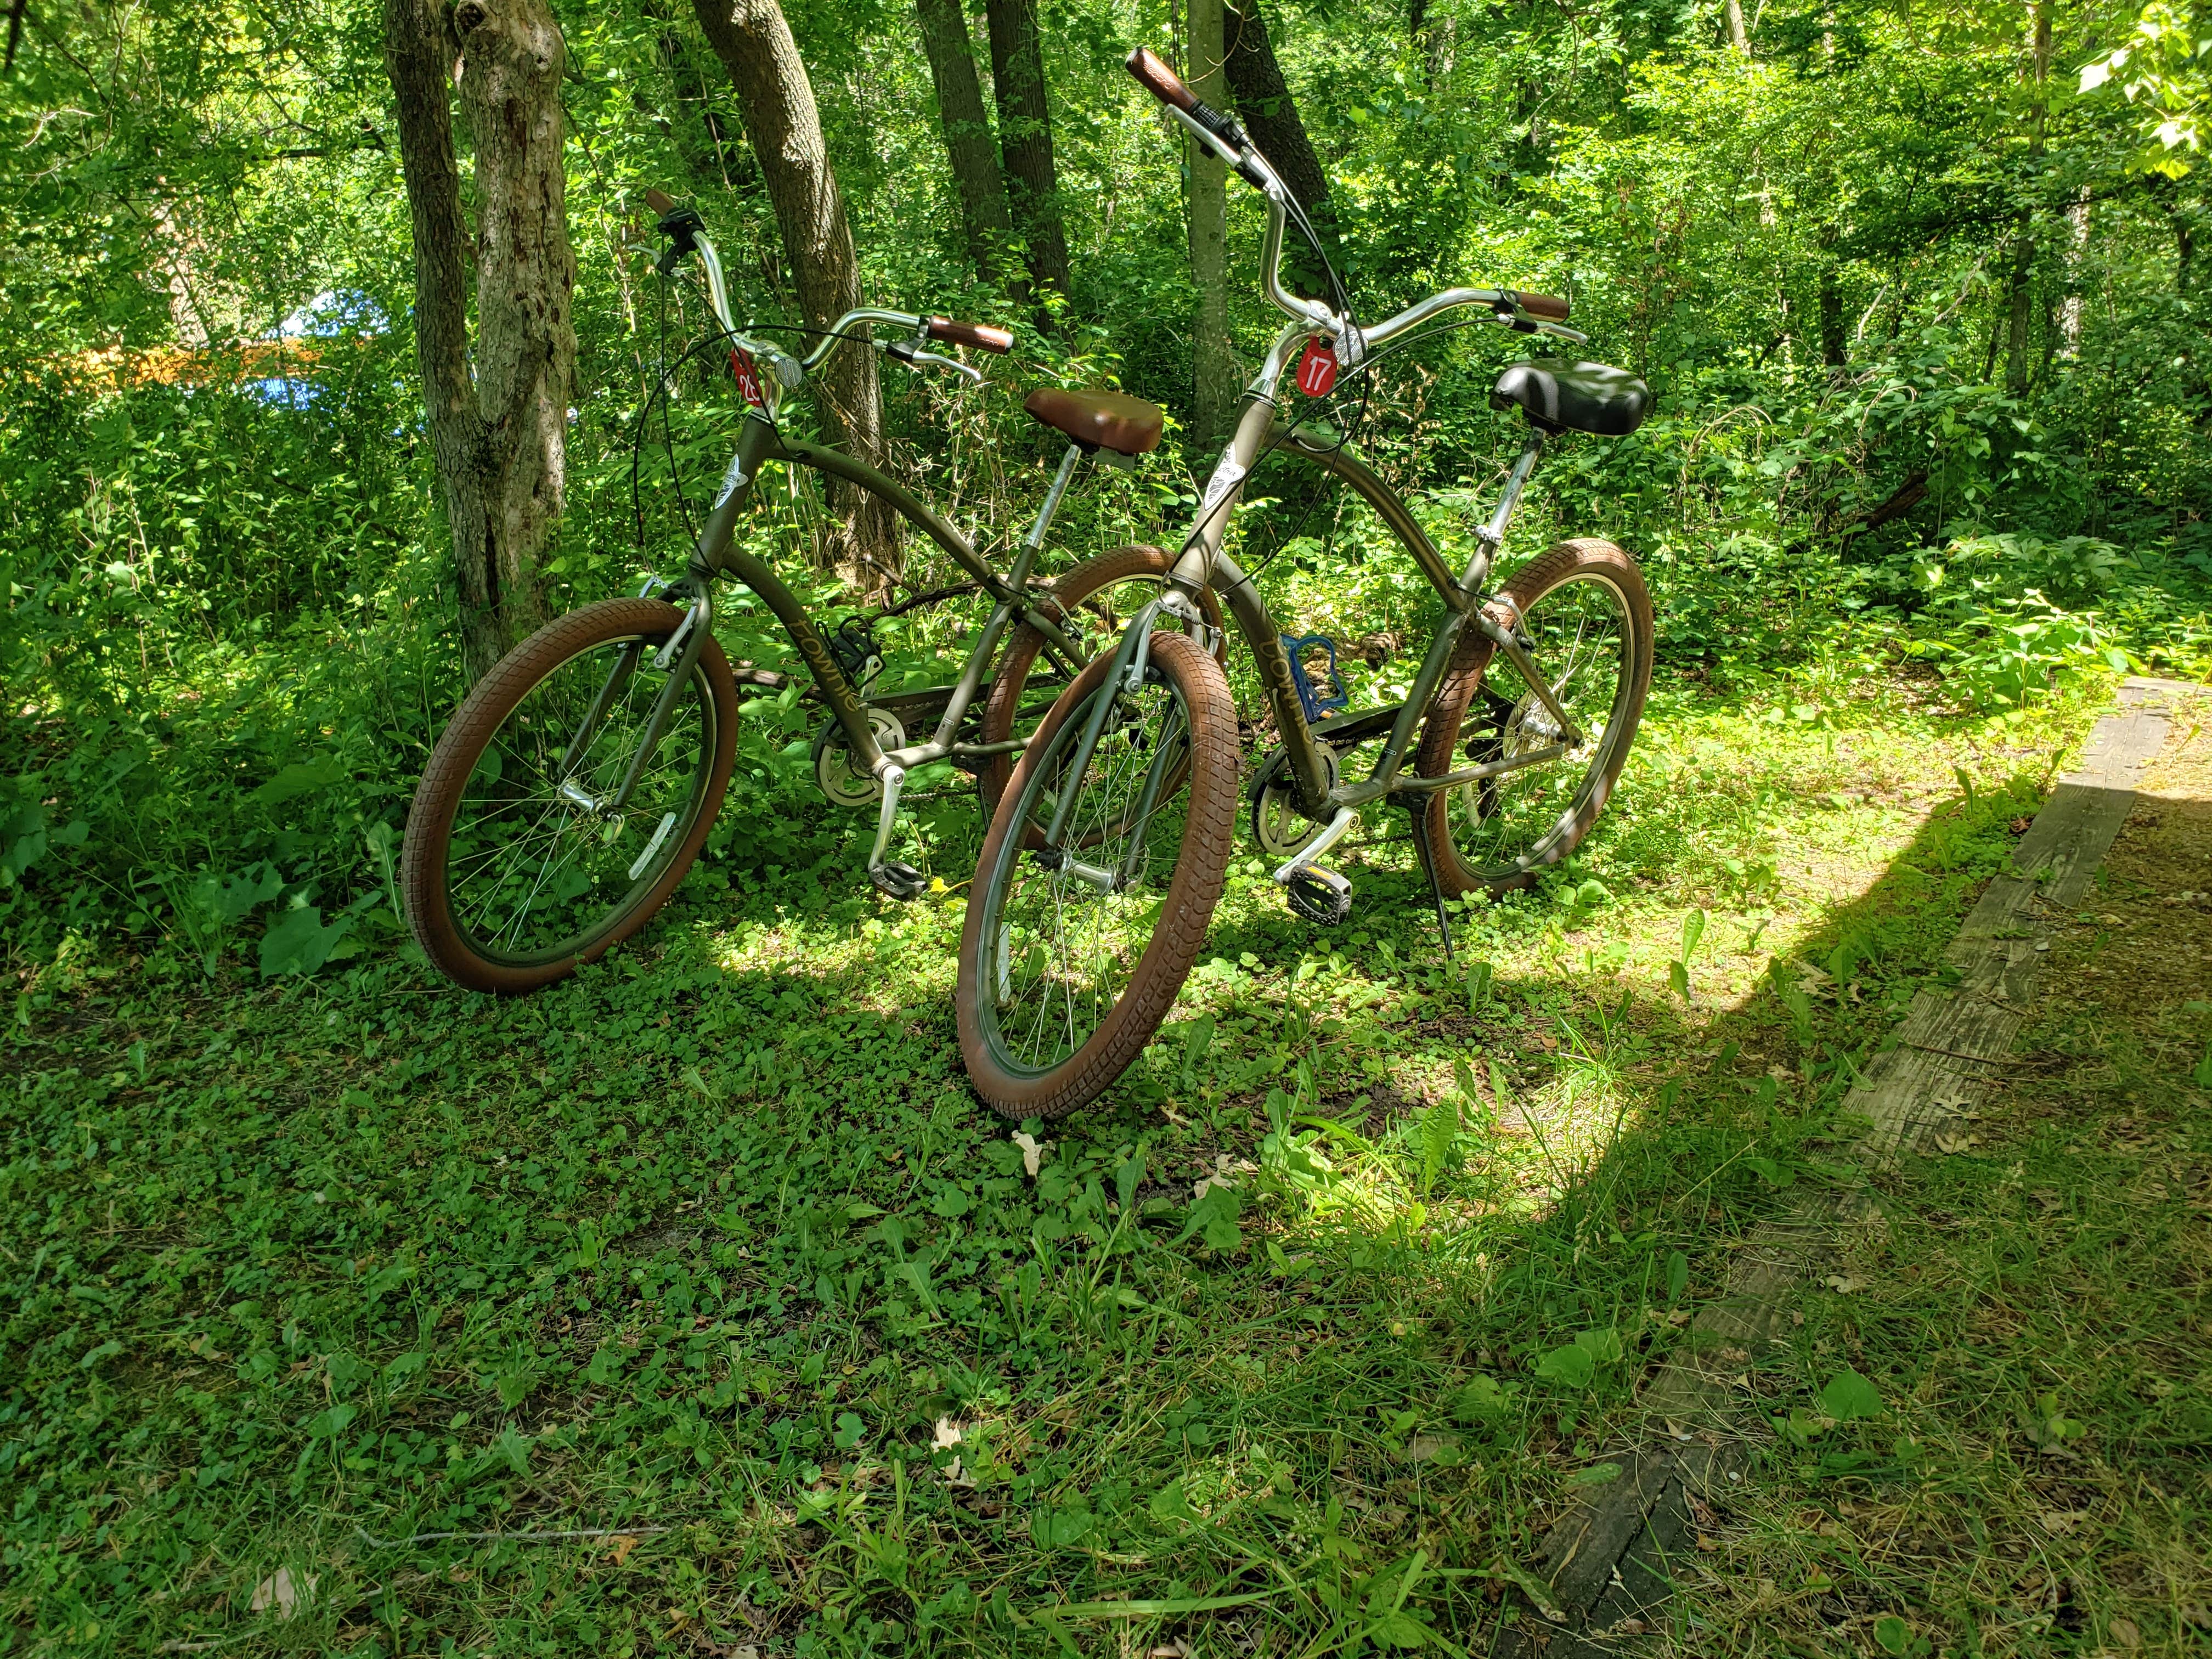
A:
(914, 357)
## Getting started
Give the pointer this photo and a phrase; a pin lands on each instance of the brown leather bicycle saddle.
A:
(1582, 396)
(1099, 420)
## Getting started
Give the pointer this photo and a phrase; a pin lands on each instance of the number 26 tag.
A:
(747, 372)
(1317, 369)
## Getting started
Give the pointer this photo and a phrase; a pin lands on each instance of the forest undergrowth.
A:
(335, 1299)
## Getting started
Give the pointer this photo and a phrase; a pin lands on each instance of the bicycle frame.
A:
(717, 553)
(1203, 563)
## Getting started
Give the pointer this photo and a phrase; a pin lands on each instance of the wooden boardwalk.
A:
(1606, 1560)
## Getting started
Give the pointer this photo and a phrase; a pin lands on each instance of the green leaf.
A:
(1677, 1275)
(329, 1425)
(1399, 1629)
(513, 1448)
(1849, 1397)
(1481, 1400)
(1891, 1634)
(299, 778)
(1601, 1346)
(1678, 980)
(1773, 1174)
(1572, 1366)
(1127, 1177)
(1597, 1475)
(1693, 929)
(298, 943)
(850, 1428)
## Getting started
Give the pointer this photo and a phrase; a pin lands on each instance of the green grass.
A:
(714, 1242)
(2033, 1310)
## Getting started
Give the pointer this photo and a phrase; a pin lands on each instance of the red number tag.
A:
(748, 377)
(1317, 369)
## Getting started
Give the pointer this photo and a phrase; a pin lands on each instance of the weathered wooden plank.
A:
(1606, 1560)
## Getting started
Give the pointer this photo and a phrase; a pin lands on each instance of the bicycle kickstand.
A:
(893, 879)
(1428, 852)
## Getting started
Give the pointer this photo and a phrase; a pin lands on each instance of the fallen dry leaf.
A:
(1948, 1144)
(2059, 1523)
(1177, 1649)
(948, 1434)
(1843, 1284)
(2124, 1631)
(284, 1592)
(623, 1544)
(1032, 1154)
(1423, 1448)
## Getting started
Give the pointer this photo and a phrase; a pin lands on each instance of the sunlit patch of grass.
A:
(714, 1238)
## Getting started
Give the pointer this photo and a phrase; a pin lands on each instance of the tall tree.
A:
(498, 412)
(775, 101)
(1264, 100)
(1212, 360)
(981, 189)
(1025, 138)
(2020, 292)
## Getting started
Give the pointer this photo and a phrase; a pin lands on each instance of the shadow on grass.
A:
(705, 1241)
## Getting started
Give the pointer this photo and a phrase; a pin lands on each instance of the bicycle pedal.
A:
(900, 881)
(1322, 896)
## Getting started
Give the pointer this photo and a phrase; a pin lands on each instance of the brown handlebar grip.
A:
(1549, 306)
(982, 336)
(1163, 82)
(660, 202)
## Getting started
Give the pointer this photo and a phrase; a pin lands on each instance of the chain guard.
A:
(1277, 824)
(835, 773)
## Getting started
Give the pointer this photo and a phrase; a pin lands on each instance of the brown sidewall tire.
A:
(1201, 864)
(437, 797)
(1018, 659)
(1439, 746)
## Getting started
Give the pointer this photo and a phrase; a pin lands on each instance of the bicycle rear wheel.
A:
(1585, 604)
(517, 867)
(1065, 977)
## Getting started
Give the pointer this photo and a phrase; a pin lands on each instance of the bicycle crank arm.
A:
(899, 881)
(1337, 828)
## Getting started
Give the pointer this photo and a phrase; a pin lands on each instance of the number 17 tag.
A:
(1317, 369)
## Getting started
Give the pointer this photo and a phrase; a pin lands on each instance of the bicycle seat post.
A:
(1034, 540)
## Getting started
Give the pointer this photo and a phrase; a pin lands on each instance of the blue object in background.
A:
(1315, 704)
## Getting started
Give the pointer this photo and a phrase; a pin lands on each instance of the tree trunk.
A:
(2023, 269)
(1263, 99)
(775, 101)
(981, 189)
(1212, 360)
(499, 434)
(1025, 139)
(1737, 36)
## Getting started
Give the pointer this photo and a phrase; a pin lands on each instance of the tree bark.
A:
(1263, 100)
(1212, 360)
(775, 101)
(1025, 139)
(981, 189)
(2023, 270)
(1738, 37)
(499, 434)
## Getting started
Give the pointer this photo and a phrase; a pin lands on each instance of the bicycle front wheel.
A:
(518, 863)
(1066, 972)
(1585, 604)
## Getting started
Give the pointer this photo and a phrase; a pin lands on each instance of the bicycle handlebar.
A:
(1163, 82)
(982, 335)
(687, 234)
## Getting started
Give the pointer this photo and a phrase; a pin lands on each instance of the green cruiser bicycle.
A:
(576, 783)
(1107, 852)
